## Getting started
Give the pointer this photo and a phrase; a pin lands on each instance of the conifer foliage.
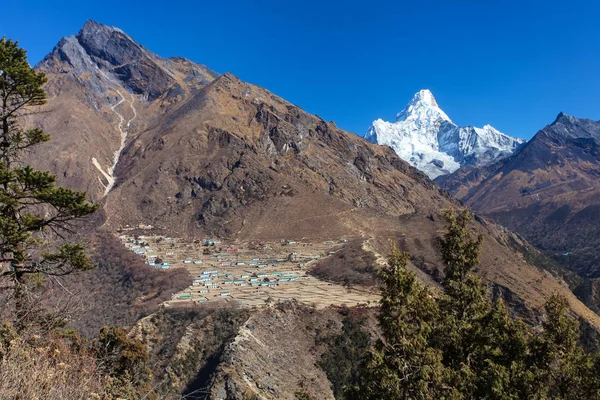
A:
(403, 364)
(35, 214)
(37, 218)
(460, 345)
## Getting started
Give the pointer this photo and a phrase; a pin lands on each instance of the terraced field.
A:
(248, 274)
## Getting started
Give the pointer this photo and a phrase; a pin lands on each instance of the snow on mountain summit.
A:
(422, 104)
(427, 138)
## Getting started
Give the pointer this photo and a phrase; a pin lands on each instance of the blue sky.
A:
(514, 65)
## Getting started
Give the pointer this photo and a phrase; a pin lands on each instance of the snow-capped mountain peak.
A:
(427, 138)
(423, 106)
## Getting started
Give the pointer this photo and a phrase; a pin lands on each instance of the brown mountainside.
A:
(103, 89)
(549, 191)
(237, 160)
(166, 142)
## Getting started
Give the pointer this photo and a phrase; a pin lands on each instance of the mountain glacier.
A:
(427, 138)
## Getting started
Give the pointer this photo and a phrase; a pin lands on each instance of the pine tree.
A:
(483, 347)
(561, 368)
(35, 213)
(346, 351)
(464, 302)
(402, 365)
(461, 346)
(499, 356)
(465, 295)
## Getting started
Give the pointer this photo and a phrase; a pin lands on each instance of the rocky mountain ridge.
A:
(105, 56)
(103, 89)
(548, 191)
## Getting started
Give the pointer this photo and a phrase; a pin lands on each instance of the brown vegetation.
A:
(46, 370)
(119, 291)
(350, 265)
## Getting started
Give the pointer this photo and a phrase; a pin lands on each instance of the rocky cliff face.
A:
(426, 137)
(257, 362)
(105, 57)
(237, 159)
(547, 191)
(103, 89)
(229, 353)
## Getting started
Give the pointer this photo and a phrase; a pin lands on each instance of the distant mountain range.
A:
(549, 191)
(424, 136)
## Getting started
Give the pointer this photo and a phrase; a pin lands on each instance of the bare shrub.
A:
(32, 369)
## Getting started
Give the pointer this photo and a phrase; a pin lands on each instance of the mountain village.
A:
(248, 274)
